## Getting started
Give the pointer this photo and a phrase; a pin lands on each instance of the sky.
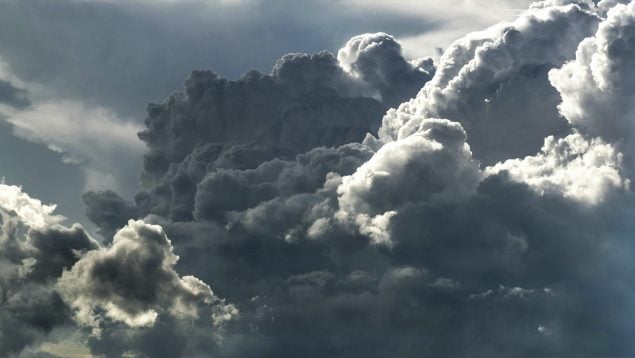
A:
(345, 178)
(91, 67)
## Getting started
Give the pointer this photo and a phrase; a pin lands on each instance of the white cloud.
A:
(574, 167)
(32, 211)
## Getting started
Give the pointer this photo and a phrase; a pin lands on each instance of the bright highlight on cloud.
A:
(361, 204)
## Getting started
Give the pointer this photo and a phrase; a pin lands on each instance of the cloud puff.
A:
(585, 170)
(378, 60)
(132, 281)
(32, 211)
(433, 164)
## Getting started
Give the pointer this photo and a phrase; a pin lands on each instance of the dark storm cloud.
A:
(405, 247)
(51, 275)
(308, 101)
(329, 241)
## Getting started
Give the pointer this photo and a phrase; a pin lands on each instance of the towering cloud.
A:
(598, 88)
(306, 102)
(495, 83)
(490, 215)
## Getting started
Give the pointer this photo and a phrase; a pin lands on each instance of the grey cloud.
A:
(132, 281)
(108, 211)
(275, 179)
(402, 244)
(260, 108)
(218, 125)
(52, 277)
(33, 252)
(377, 59)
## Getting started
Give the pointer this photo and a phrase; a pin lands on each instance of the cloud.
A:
(52, 276)
(94, 136)
(378, 60)
(219, 126)
(585, 170)
(132, 281)
(34, 249)
(12, 95)
(433, 164)
(597, 87)
(446, 231)
(495, 81)
(32, 211)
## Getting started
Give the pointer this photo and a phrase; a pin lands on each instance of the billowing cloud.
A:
(473, 220)
(52, 275)
(131, 281)
(442, 237)
(308, 101)
(586, 170)
(495, 81)
(378, 60)
(598, 88)
(434, 164)
(34, 249)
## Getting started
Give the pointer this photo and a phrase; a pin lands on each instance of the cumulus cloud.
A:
(433, 164)
(495, 81)
(597, 88)
(217, 126)
(34, 249)
(586, 170)
(378, 60)
(475, 221)
(52, 275)
(131, 281)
